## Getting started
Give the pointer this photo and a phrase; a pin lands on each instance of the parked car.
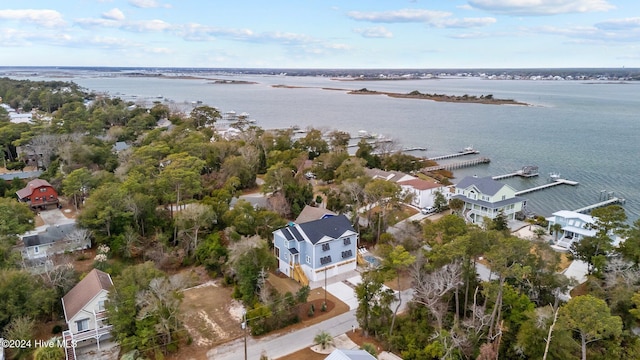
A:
(427, 210)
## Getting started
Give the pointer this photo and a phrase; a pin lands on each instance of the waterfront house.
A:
(85, 312)
(486, 198)
(423, 191)
(315, 250)
(393, 176)
(575, 227)
(38, 194)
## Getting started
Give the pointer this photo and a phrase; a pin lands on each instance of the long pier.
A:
(526, 172)
(462, 153)
(457, 165)
(614, 200)
(545, 186)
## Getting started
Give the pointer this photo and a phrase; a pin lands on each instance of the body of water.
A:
(586, 131)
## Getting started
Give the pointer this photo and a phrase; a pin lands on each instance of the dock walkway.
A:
(611, 201)
(449, 156)
(545, 186)
(458, 165)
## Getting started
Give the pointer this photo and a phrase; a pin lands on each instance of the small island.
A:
(482, 99)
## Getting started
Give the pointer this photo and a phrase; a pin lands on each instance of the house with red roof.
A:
(38, 194)
(85, 312)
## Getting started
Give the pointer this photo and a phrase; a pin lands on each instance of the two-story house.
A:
(38, 194)
(575, 227)
(423, 191)
(85, 312)
(485, 197)
(313, 250)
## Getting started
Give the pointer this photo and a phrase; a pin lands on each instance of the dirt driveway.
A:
(211, 317)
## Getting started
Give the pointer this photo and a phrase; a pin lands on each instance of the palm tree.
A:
(556, 228)
(323, 339)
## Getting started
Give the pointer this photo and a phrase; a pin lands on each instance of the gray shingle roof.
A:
(332, 227)
(52, 234)
(485, 185)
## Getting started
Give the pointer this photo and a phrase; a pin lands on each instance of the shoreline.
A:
(472, 99)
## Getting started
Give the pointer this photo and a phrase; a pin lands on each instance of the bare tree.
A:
(430, 288)
(191, 221)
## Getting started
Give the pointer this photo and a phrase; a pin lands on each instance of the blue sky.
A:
(321, 33)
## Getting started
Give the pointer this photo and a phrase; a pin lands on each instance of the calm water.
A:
(587, 132)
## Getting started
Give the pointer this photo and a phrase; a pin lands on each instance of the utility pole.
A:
(244, 327)
(325, 286)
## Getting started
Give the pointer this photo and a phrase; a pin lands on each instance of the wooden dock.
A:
(415, 148)
(462, 153)
(457, 165)
(545, 186)
(526, 172)
(614, 200)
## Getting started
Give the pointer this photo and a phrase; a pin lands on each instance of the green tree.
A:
(439, 201)
(77, 185)
(180, 177)
(590, 318)
(456, 205)
(313, 143)
(374, 299)
(395, 261)
(22, 294)
(630, 247)
(204, 116)
(123, 308)
(20, 328)
(50, 352)
(15, 218)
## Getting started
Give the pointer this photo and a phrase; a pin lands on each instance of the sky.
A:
(327, 34)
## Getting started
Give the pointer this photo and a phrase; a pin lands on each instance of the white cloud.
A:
(146, 4)
(620, 24)
(429, 17)
(541, 7)
(113, 14)
(47, 18)
(399, 16)
(374, 32)
(147, 25)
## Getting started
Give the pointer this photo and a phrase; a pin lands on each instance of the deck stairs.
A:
(299, 276)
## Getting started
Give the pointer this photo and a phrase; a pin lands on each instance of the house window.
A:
(50, 196)
(308, 259)
(504, 197)
(37, 198)
(36, 250)
(102, 305)
(347, 254)
(325, 260)
(286, 244)
(347, 241)
(326, 247)
(43, 190)
(277, 252)
(82, 325)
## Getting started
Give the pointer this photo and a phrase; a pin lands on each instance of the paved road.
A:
(276, 346)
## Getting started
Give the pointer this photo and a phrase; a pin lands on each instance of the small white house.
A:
(575, 227)
(85, 312)
(53, 239)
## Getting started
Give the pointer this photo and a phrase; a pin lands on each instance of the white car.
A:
(428, 210)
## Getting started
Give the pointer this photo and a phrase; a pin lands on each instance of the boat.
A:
(468, 149)
(554, 176)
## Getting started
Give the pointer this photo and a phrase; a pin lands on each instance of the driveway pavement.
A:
(54, 217)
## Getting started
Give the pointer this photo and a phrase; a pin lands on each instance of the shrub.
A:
(370, 348)
(324, 307)
(57, 329)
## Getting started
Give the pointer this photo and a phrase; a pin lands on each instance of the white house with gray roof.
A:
(485, 197)
(309, 251)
